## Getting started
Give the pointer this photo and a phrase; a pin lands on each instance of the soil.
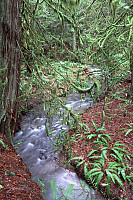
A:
(118, 114)
(15, 178)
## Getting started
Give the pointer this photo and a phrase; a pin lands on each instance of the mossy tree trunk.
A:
(10, 37)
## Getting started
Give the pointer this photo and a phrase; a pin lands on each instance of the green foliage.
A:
(8, 173)
(1, 186)
(130, 179)
(65, 193)
(101, 171)
(98, 129)
(43, 187)
(129, 130)
(102, 33)
(47, 39)
(71, 3)
(3, 144)
(69, 192)
(47, 36)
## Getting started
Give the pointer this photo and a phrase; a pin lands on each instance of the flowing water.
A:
(37, 151)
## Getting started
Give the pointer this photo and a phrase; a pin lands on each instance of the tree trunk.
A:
(10, 33)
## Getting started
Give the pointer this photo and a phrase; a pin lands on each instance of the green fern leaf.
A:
(92, 171)
(94, 124)
(95, 174)
(118, 180)
(75, 158)
(99, 178)
(104, 154)
(110, 175)
(91, 153)
(85, 170)
(80, 163)
(118, 155)
(4, 145)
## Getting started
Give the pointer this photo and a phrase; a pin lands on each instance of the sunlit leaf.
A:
(109, 174)
(95, 174)
(104, 140)
(103, 135)
(123, 174)
(75, 158)
(91, 136)
(80, 163)
(99, 178)
(118, 143)
(131, 124)
(128, 132)
(95, 157)
(120, 149)
(91, 153)
(104, 154)
(118, 154)
(93, 170)
(100, 129)
(87, 127)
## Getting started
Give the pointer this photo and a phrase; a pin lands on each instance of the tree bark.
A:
(10, 37)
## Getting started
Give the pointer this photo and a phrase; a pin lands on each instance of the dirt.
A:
(118, 113)
(15, 178)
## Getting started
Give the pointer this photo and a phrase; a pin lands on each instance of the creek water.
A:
(37, 151)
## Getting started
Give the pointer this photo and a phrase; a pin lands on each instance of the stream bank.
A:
(38, 152)
(15, 178)
(118, 125)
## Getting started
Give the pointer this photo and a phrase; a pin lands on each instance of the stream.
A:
(37, 152)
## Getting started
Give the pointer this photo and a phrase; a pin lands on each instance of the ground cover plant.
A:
(118, 122)
(103, 154)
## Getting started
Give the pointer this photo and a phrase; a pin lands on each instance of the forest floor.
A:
(118, 119)
(15, 178)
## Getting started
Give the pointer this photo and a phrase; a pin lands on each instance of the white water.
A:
(36, 149)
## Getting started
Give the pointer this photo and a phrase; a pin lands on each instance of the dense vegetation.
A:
(63, 39)
(61, 42)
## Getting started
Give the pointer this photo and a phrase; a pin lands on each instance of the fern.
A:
(3, 144)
